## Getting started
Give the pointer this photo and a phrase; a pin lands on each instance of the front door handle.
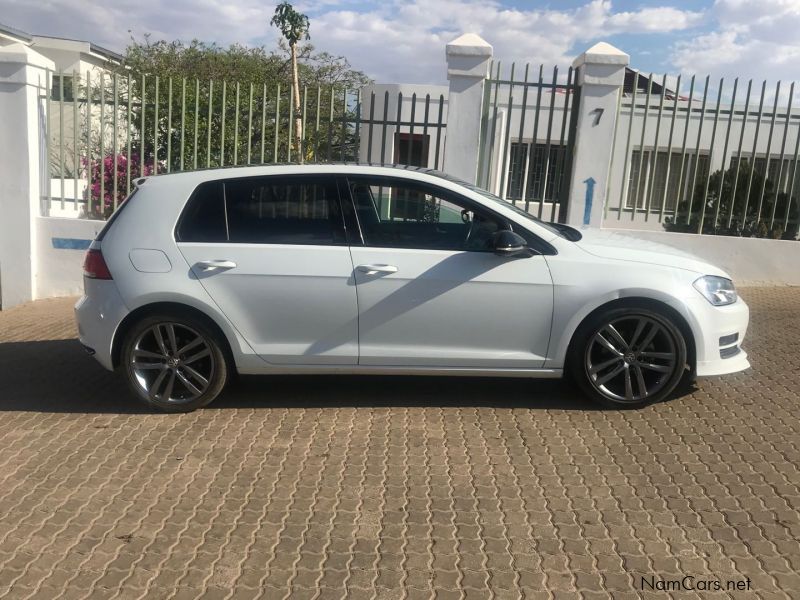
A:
(212, 265)
(373, 269)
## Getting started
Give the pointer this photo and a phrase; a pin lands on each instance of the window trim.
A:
(330, 178)
(540, 247)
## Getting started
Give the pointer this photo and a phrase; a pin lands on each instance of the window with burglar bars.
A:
(56, 89)
(666, 179)
(789, 173)
(411, 149)
(535, 172)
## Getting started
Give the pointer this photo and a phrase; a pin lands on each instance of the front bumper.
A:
(720, 331)
(98, 313)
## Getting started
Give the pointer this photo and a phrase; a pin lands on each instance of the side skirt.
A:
(403, 370)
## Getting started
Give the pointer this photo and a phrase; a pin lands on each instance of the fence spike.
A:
(745, 116)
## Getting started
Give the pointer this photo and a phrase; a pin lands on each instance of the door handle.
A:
(373, 269)
(211, 265)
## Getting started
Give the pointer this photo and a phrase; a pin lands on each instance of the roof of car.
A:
(210, 174)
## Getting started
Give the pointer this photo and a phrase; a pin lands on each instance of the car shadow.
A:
(57, 376)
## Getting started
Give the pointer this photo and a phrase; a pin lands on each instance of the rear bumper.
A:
(721, 330)
(98, 313)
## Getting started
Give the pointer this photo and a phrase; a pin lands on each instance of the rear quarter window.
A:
(203, 219)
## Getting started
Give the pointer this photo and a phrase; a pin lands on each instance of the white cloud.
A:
(752, 38)
(393, 41)
(108, 23)
(404, 41)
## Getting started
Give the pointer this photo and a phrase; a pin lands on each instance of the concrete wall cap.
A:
(22, 54)
(602, 53)
(469, 44)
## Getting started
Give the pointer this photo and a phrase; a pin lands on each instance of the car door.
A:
(272, 253)
(432, 292)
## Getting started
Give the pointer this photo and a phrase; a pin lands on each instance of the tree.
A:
(294, 27)
(175, 106)
(208, 68)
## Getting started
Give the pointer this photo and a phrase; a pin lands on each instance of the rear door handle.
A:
(211, 265)
(373, 269)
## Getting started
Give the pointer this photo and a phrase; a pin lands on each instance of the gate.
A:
(527, 136)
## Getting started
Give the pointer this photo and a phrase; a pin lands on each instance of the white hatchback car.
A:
(381, 270)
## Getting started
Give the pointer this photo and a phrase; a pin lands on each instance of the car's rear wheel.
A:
(175, 364)
(628, 357)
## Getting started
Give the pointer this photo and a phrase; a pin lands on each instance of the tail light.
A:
(94, 265)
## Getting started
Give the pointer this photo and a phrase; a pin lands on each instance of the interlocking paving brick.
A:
(323, 487)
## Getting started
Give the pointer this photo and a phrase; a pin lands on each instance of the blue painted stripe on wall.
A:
(70, 243)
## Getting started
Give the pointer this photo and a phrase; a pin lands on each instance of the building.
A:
(74, 61)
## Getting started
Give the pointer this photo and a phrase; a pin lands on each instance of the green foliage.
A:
(184, 128)
(293, 25)
(740, 198)
(204, 61)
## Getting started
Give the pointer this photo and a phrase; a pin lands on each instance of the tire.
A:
(180, 372)
(617, 353)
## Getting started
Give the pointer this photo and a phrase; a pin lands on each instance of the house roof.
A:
(634, 77)
(32, 39)
(93, 48)
(11, 32)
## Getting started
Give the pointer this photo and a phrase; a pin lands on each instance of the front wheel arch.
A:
(656, 306)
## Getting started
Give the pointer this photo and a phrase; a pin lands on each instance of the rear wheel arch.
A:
(176, 309)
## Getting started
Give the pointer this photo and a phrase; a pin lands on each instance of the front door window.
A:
(407, 215)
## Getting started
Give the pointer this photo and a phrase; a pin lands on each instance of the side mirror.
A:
(508, 243)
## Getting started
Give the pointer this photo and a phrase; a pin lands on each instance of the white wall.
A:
(59, 269)
(438, 96)
(21, 126)
(749, 261)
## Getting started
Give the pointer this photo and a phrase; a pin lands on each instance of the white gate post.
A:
(601, 73)
(22, 169)
(468, 58)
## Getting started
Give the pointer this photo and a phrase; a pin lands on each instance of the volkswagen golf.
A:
(384, 270)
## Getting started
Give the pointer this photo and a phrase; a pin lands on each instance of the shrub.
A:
(103, 174)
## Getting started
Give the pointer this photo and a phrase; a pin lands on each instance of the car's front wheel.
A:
(628, 357)
(174, 363)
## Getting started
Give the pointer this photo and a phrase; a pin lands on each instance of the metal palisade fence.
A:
(527, 135)
(105, 130)
(707, 157)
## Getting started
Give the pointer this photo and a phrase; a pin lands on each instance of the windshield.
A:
(498, 200)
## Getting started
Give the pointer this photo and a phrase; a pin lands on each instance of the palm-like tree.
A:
(294, 27)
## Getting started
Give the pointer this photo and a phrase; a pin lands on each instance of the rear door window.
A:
(265, 210)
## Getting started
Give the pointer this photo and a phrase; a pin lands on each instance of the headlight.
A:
(717, 290)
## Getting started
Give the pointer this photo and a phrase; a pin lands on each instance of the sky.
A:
(403, 41)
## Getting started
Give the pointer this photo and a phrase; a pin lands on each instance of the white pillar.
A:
(601, 73)
(22, 127)
(468, 58)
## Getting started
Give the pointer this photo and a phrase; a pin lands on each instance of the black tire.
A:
(184, 370)
(592, 365)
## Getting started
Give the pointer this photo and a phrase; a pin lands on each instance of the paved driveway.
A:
(396, 488)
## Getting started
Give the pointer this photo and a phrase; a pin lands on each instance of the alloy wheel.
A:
(631, 358)
(172, 363)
